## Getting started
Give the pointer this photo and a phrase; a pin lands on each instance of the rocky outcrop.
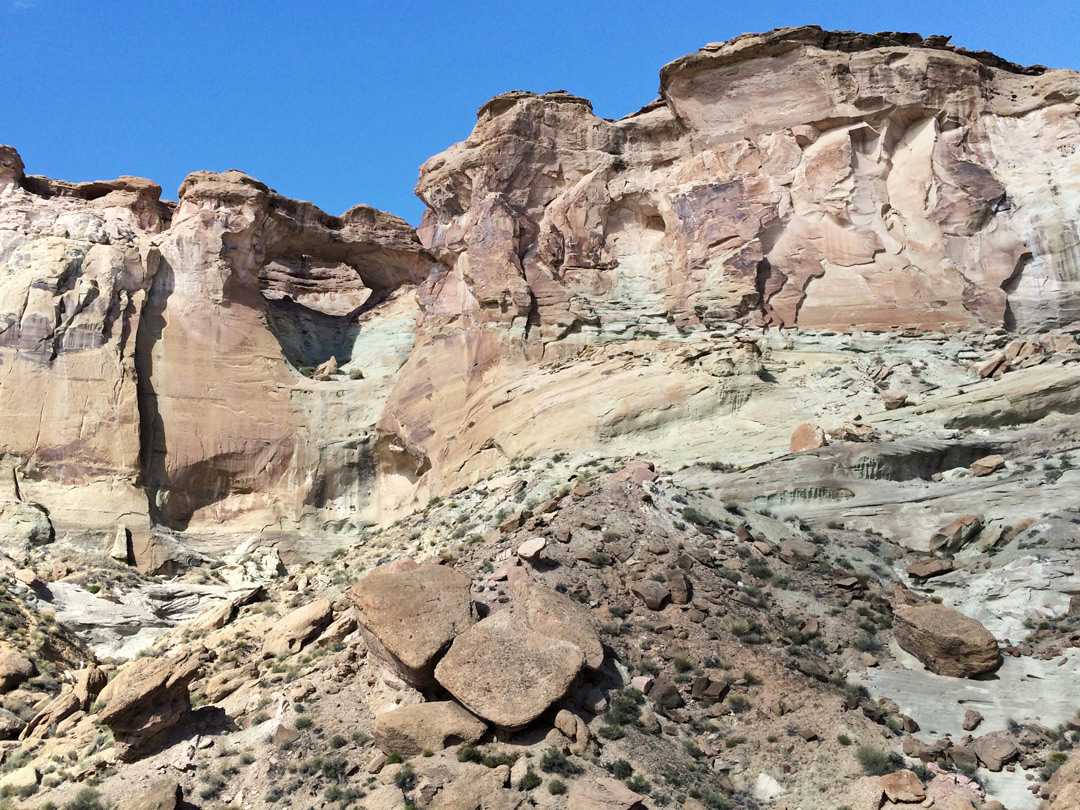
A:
(409, 614)
(148, 697)
(946, 641)
(411, 730)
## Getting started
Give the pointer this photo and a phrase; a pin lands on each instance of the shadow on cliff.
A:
(152, 441)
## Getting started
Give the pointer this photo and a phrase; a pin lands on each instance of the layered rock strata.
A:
(239, 361)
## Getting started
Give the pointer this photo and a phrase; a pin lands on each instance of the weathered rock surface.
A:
(410, 730)
(409, 614)
(507, 673)
(807, 437)
(551, 614)
(298, 628)
(946, 641)
(147, 697)
(15, 668)
(164, 794)
(603, 794)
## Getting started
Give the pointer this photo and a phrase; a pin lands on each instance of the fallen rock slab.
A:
(303, 625)
(149, 696)
(929, 567)
(903, 786)
(946, 641)
(548, 612)
(957, 534)
(506, 673)
(410, 613)
(411, 730)
(987, 465)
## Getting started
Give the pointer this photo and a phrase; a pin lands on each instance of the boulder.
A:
(957, 534)
(946, 641)
(903, 786)
(23, 525)
(654, 594)
(10, 725)
(894, 399)
(19, 779)
(165, 794)
(411, 730)
(88, 685)
(502, 670)
(548, 612)
(996, 750)
(15, 668)
(409, 614)
(299, 627)
(929, 567)
(971, 720)
(807, 437)
(987, 465)
(678, 585)
(665, 694)
(149, 696)
(530, 550)
(603, 793)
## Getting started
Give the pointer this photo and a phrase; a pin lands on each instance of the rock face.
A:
(148, 697)
(409, 614)
(238, 358)
(946, 641)
(533, 670)
(411, 730)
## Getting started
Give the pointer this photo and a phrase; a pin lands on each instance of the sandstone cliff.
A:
(238, 361)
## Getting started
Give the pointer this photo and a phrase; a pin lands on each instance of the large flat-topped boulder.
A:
(410, 730)
(507, 673)
(409, 613)
(946, 641)
(548, 612)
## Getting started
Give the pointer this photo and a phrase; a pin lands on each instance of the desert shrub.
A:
(876, 762)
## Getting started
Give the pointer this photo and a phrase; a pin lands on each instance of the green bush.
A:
(86, 799)
(530, 780)
(555, 761)
(556, 787)
(876, 762)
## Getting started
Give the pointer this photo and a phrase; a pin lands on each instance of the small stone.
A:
(971, 720)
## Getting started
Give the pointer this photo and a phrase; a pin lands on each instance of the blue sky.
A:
(340, 102)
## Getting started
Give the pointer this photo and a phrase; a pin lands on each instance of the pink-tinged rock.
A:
(903, 786)
(987, 465)
(409, 614)
(807, 437)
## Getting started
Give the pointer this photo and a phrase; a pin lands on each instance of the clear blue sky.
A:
(340, 102)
